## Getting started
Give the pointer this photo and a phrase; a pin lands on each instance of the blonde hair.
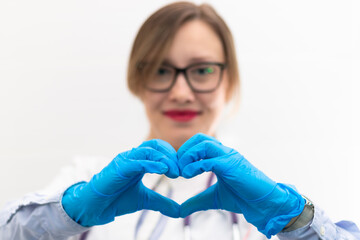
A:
(156, 35)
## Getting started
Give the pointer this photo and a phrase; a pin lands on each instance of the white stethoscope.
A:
(160, 225)
(235, 227)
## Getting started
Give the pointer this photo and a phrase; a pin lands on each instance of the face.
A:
(180, 113)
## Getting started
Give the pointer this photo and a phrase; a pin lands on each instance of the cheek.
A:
(215, 101)
(152, 103)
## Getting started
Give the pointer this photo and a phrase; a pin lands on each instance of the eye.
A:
(163, 71)
(204, 70)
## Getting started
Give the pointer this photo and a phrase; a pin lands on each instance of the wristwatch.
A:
(304, 218)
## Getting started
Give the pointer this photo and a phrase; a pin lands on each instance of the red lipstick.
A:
(181, 115)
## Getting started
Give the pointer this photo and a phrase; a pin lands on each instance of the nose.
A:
(181, 91)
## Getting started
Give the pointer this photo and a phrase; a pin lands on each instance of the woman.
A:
(183, 68)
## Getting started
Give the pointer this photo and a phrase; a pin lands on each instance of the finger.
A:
(245, 180)
(151, 154)
(118, 175)
(161, 146)
(157, 202)
(194, 140)
(215, 165)
(166, 149)
(203, 201)
(129, 167)
(204, 150)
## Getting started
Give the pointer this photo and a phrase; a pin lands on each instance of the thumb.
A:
(157, 202)
(203, 201)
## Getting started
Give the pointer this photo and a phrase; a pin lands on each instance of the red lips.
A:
(181, 115)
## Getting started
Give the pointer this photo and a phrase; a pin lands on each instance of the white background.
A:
(63, 91)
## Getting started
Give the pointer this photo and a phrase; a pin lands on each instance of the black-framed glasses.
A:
(201, 77)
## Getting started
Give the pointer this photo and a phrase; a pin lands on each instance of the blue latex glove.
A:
(118, 188)
(240, 187)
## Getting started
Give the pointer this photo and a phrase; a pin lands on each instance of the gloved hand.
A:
(240, 187)
(118, 188)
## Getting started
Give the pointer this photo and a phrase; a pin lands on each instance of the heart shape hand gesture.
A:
(240, 188)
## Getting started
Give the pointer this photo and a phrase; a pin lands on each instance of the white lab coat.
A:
(40, 215)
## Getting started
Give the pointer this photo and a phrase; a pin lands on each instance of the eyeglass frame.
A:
(183, 71)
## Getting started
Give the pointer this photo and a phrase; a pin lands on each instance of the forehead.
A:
(195, 41)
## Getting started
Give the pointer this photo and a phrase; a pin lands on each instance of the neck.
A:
(175, 141)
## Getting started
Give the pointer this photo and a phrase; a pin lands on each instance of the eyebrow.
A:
(194, 60)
